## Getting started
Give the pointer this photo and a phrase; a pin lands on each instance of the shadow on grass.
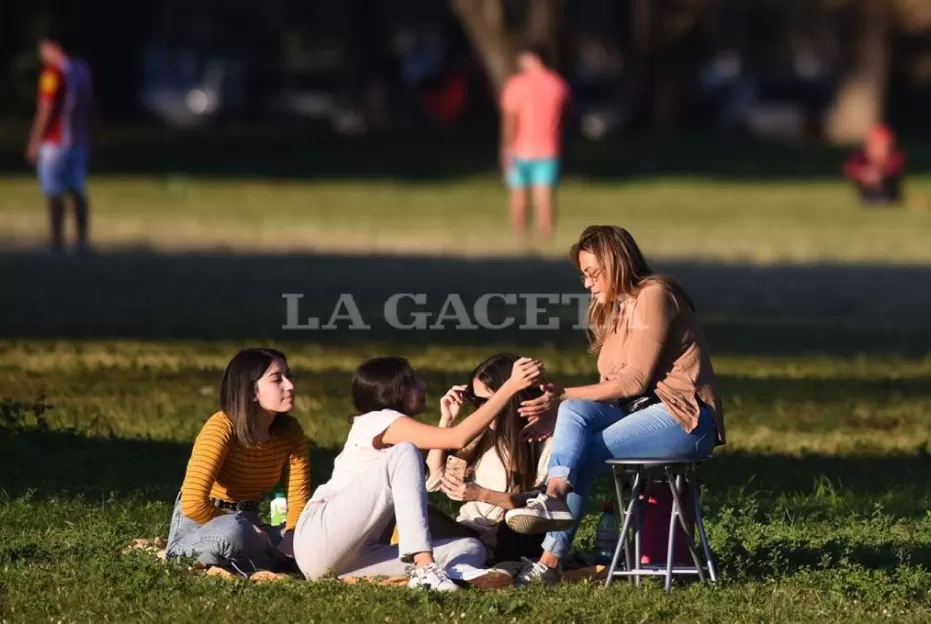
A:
(46, 464)
(746, 309)
(211, 296)
(53, 463)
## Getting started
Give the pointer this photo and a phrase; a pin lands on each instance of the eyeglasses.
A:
(585, 277)
(475, 400)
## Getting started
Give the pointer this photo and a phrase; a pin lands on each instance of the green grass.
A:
(671, 217)
(817, 509)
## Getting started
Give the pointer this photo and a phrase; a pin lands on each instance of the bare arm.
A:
(508, 130)
(425, 436)
(450, 405)
(508, 135)
(503, 499)
(435, 467)
(465, 491)
(40, 125)
(525, 373)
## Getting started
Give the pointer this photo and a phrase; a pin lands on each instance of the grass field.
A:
(818, 508)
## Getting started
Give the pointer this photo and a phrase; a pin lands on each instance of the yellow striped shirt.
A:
(222, 468)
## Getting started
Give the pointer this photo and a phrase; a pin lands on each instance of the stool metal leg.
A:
(621, 507)
(631, 507)
(677, 501)
(638, 524)
(702, 536)
(672, 531)
(619, 490)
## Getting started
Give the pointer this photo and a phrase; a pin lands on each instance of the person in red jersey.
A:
(60, 136)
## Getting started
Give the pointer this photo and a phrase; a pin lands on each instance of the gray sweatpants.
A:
(340, 535)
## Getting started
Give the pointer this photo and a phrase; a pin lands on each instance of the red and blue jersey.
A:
(68, 90)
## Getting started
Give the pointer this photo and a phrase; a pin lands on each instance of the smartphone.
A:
(456, 466)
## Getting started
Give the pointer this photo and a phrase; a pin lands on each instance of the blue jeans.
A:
(588, 434)
(231, 541)
(61, 169)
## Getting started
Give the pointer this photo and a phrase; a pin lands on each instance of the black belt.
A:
(635, 404)
(252, 506)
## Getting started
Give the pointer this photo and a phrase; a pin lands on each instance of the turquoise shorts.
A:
(533, 172)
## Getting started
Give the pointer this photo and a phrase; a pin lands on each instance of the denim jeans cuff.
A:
(558, 472)
(555, 546)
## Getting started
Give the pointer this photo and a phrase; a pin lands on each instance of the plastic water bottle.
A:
(278, 509)
(606, 535)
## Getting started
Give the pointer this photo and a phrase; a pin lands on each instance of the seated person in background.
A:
(239, 455)
(506, 463)
(877, 169)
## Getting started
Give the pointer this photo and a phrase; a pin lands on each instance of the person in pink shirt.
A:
(532, 107)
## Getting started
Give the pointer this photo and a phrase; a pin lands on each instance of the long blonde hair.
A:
(627, 274)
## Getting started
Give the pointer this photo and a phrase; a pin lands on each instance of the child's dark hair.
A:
(521, 457)
(382, 383)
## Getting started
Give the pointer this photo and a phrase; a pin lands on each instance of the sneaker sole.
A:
(528, 524)
(491, 581)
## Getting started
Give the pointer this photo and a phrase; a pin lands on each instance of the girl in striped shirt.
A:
(240, 454)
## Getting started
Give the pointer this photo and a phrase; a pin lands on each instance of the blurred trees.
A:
(496, 40)
(855, 56)
(665, 46)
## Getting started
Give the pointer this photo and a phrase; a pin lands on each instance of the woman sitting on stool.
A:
(656, 397)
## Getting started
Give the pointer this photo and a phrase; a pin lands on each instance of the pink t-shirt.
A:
(538, 98)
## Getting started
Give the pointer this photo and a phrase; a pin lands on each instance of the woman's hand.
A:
(458, 490)
(525, 373)
(534, 409)
(450, 405)
(539, 428)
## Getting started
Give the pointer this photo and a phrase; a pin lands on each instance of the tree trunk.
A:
(858, 104)
(667, 30)
(484, 22)
(543, 27)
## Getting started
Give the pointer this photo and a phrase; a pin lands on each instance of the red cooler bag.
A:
(654, 531)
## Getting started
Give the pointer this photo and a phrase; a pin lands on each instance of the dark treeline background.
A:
(826, 69)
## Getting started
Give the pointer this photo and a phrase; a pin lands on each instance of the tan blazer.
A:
(658, 344)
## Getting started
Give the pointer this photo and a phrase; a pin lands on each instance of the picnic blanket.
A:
(157, 546)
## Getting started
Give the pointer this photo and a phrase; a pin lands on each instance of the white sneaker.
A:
(541, 515)
(534, 571)
(432, 577)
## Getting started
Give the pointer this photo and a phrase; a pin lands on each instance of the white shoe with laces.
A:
(431, 576)
(541, 515)
(534, 571)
